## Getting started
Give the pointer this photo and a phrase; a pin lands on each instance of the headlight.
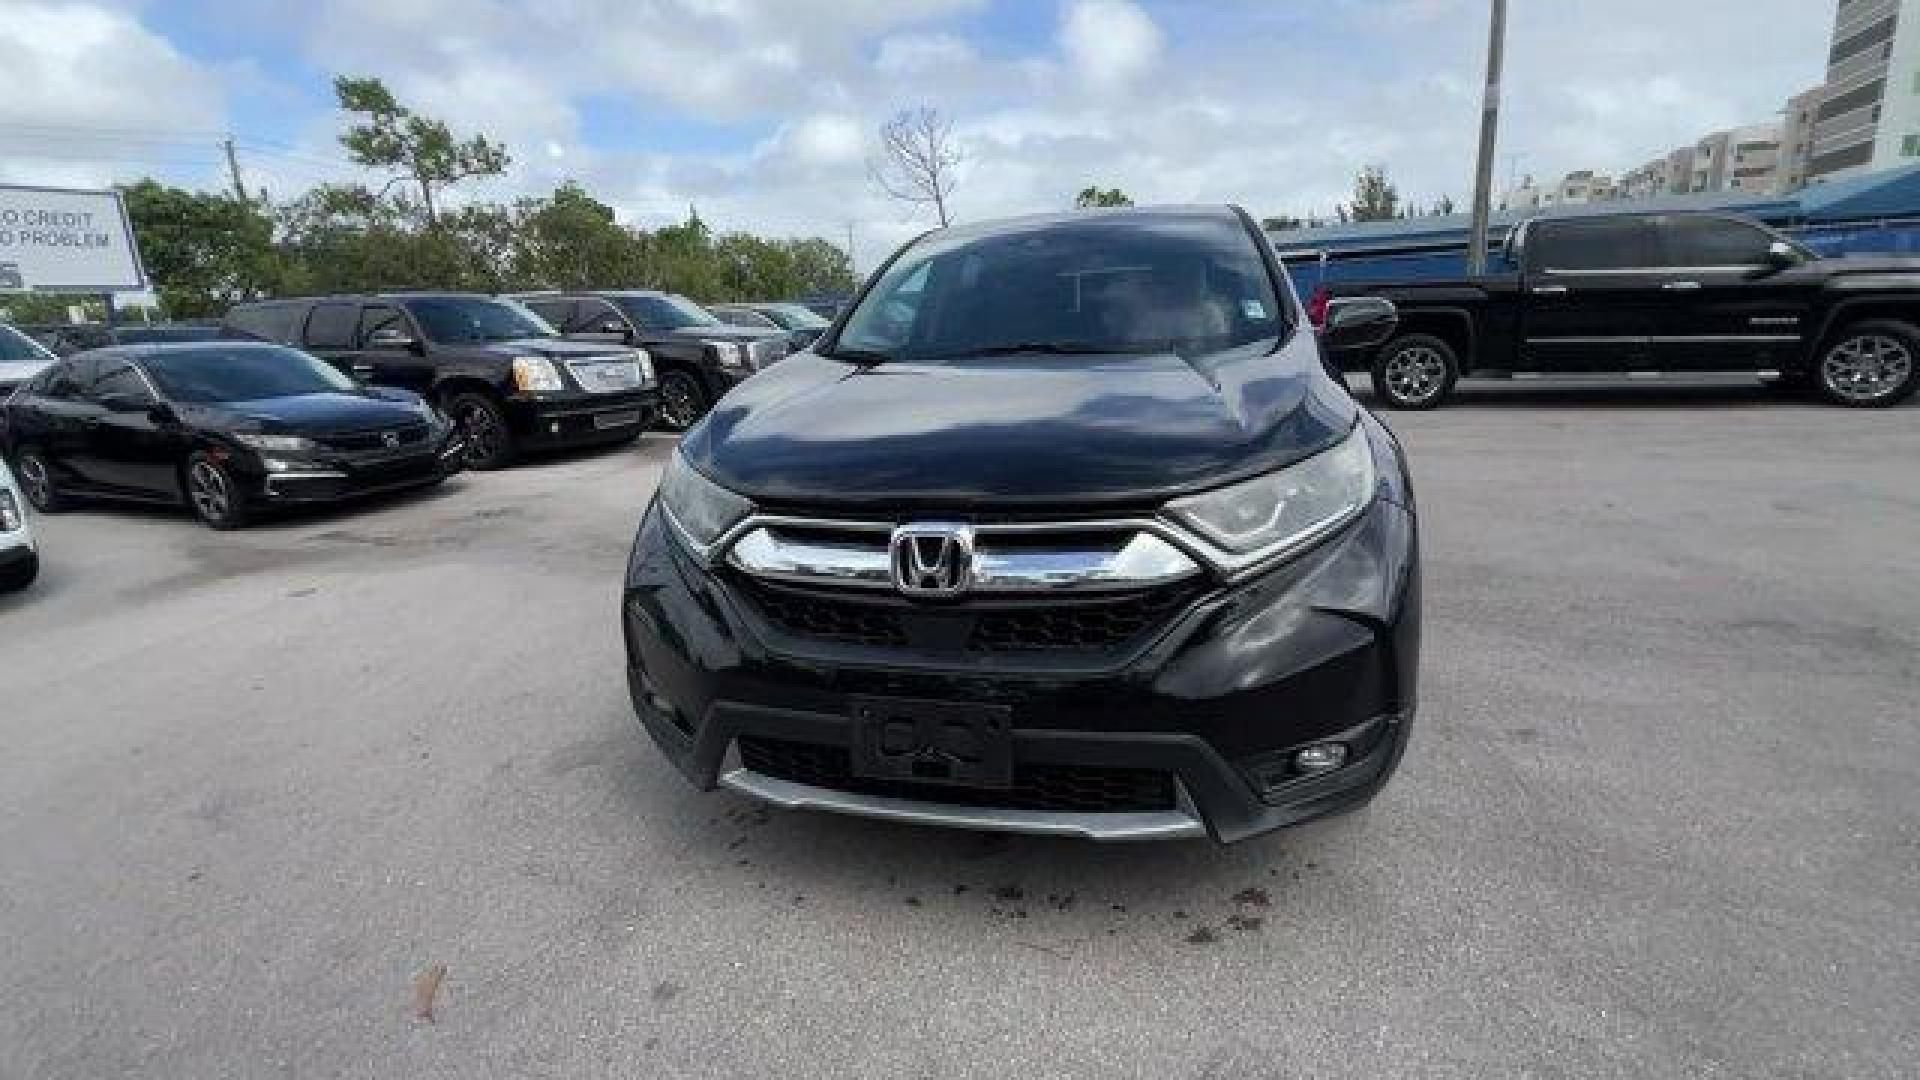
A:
(1270, 515)
(728, 353)
(702, 509)
(536, 375)
(645, 361)
(9, 512)
(278, 444)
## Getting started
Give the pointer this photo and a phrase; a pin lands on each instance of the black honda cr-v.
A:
(1063, 529)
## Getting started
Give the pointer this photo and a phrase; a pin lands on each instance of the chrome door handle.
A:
(363, 369)
(1550, 290)
(1681, 286)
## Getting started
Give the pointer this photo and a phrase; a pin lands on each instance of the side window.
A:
(331, 326)
(268, 322)
(375, 319)
(1574, 246)
(555, 311)
(594, 316)
(1711, 241)
(120, 385)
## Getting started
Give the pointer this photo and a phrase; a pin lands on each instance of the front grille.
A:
(1057, 625)
(1036, 786)
(362, 441)
(1078, 627)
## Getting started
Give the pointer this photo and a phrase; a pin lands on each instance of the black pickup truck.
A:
(1672, 292)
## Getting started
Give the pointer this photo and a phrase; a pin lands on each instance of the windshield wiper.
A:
(860, 356)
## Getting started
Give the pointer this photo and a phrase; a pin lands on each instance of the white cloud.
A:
(914, 55)
(1110, 43)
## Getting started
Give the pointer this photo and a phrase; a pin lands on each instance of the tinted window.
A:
(794, 317)
(71, 379)
(455, 320)
(556, 312)
(1708, 241)
(1186, 283)
(331, 326)
(593, 316)
(744, 317)
(119, 380)
(18, 348)
(666, 312)
(375, 319)
(1597, 244)
(247, 373)
(270, 322)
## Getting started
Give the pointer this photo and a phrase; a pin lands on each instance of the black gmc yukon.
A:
(505, 376)
(1656, 293)
(700, 357)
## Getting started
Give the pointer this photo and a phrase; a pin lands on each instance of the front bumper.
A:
(579, 419)
(1322, 649)
(338, 479)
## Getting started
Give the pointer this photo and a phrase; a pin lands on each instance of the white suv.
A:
(19, 559)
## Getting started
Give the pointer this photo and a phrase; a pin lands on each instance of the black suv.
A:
(699, 357)
(1064, 529)
(1633, 292)
(505, 376)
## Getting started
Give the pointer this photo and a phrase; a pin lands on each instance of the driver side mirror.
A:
(125, 403)
(392, 339)
(1782, 255)
(1358, 322)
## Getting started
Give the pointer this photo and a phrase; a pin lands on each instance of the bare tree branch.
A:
(919, 161)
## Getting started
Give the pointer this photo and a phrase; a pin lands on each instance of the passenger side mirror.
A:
(1782, 255)
(161, 413)
(1358, 322)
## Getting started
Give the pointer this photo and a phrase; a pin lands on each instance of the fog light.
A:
(1320, 758)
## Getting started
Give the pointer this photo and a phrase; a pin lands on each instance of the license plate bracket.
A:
(954, 744)
(626, 418)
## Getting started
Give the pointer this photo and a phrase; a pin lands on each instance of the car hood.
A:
(1074, 433)
(309, 414)
(557, 348)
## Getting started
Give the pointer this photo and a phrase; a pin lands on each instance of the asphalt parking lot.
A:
(1661, 814)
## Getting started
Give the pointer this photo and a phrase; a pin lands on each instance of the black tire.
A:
(35, 474)
(21, 575)
(1873, 364)
(212, 493)
(1415, 371)
(683, 399)
(483, 425)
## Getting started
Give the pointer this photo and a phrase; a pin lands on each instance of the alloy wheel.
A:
(483, 434)
(34, 479)
(1866, 368)
(680, 400)
(207, 487)
(1415, 374)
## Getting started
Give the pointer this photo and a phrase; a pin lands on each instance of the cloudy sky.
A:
(763, 112)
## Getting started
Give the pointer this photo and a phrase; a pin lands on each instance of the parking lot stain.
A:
(1202, 935)
(1010, 892)
(913, 901)
(1244, 923)
(665, 991)
(1253, 897)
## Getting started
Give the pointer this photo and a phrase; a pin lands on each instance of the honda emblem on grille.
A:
(932, 559)
(390, 440)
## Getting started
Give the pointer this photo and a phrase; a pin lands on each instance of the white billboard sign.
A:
(62, 240)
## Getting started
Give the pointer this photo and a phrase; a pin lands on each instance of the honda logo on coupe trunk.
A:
(932, 559)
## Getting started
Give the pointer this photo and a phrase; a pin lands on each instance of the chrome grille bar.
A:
(1127, 560)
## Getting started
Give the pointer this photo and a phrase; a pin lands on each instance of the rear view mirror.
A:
(1358, 322)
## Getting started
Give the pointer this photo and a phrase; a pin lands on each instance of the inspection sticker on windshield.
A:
(1253, 309)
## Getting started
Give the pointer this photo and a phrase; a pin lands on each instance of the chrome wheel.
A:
(681, 400)
(1866, 368)
(35, 481)
(211, 494)
(1415, 374)
(485, 436)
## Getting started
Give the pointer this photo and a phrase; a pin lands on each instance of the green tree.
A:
(418, 149)
(203, 251)
(571, 241)
(1093, 196)
(1281, 223)
(1374, 197)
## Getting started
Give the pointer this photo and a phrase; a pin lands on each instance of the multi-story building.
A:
(1796, 138)
(1582, 186)
(1753, 159)
(1869, 114)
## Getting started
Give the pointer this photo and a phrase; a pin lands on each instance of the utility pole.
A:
(1489, 130)
(233, 170)
(851, 265)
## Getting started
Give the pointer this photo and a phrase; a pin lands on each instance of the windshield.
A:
(666, 312)
(1186, 283)
(794, 317)
(250, 373)
(454, 320)
(18, 348)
